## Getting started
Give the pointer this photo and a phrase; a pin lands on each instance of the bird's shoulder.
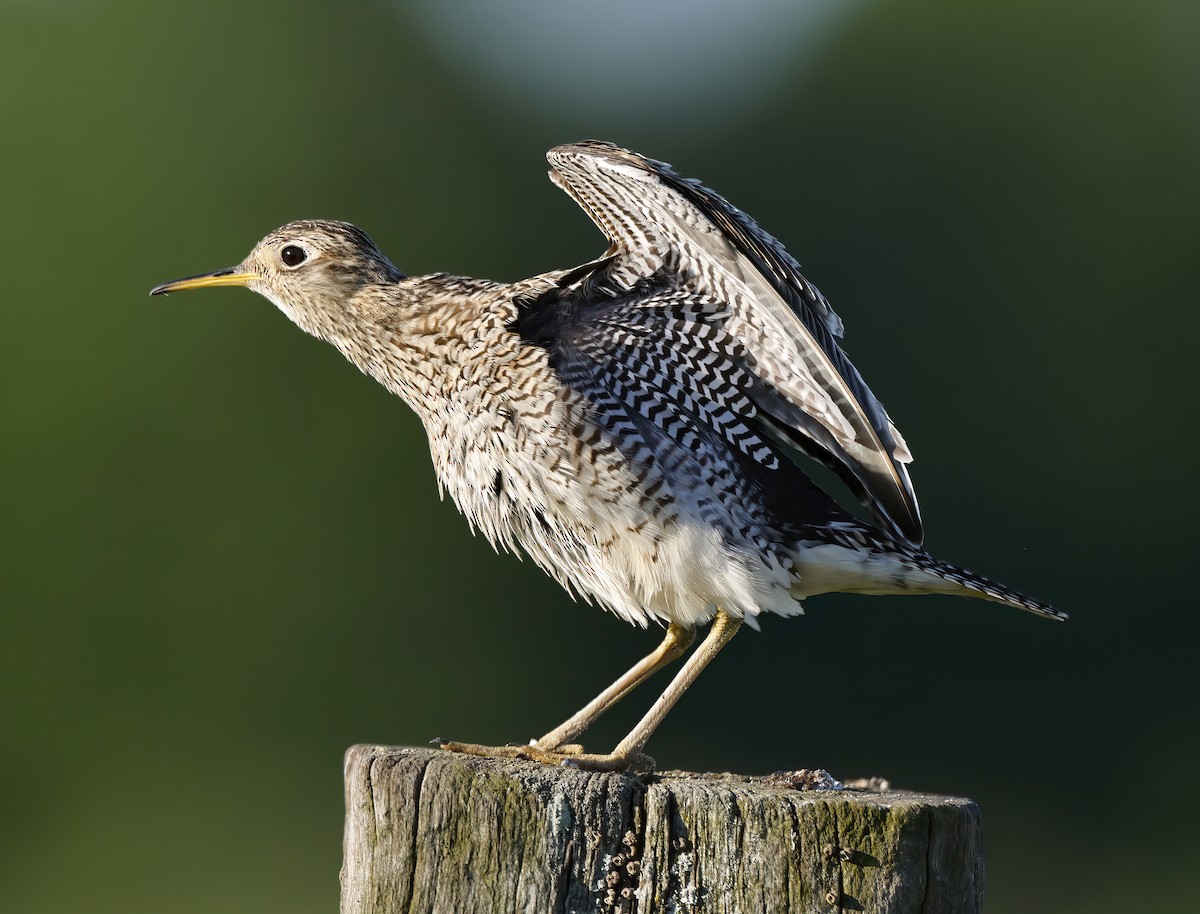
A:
(652, 358)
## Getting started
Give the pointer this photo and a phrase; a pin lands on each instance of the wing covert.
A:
(811, 394)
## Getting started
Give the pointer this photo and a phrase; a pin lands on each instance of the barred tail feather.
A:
(861, 565)
(972, 585)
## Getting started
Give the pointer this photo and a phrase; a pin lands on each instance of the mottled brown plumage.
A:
(635, 424)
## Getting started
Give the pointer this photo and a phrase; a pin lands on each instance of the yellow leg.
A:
(553, 747)
(677, 640)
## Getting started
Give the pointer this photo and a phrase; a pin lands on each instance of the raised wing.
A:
(805, 387)
(671, 389)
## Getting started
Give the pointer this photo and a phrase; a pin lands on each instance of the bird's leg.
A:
(677, 640)
(629, 750)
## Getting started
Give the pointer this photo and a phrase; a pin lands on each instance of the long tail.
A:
(959, 580)
(852, 558)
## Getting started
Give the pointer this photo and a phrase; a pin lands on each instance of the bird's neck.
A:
(427, 339)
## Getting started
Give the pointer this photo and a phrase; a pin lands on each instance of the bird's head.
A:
(310, 270)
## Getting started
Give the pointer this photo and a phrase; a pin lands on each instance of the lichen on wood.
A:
(430, 831)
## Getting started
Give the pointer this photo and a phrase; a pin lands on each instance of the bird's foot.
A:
(531, 751)
(568, 755)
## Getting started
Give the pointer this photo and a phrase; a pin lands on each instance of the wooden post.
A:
(429, 831)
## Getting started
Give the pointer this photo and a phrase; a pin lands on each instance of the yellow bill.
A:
(226, 277)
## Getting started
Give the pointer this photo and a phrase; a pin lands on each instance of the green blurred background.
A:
(224, 559)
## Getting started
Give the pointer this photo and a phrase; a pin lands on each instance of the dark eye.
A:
(293, 256)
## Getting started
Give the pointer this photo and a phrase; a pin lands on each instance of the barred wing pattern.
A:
(804, 387)
(664, 378)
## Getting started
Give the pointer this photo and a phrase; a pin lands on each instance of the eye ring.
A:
(293, 255)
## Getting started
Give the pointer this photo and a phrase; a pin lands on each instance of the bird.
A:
(640, 425)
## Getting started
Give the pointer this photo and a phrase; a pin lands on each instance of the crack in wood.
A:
(429, 832)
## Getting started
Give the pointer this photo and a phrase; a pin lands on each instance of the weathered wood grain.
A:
(429, 831)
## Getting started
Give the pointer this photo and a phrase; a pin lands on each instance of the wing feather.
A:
(656, 220)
